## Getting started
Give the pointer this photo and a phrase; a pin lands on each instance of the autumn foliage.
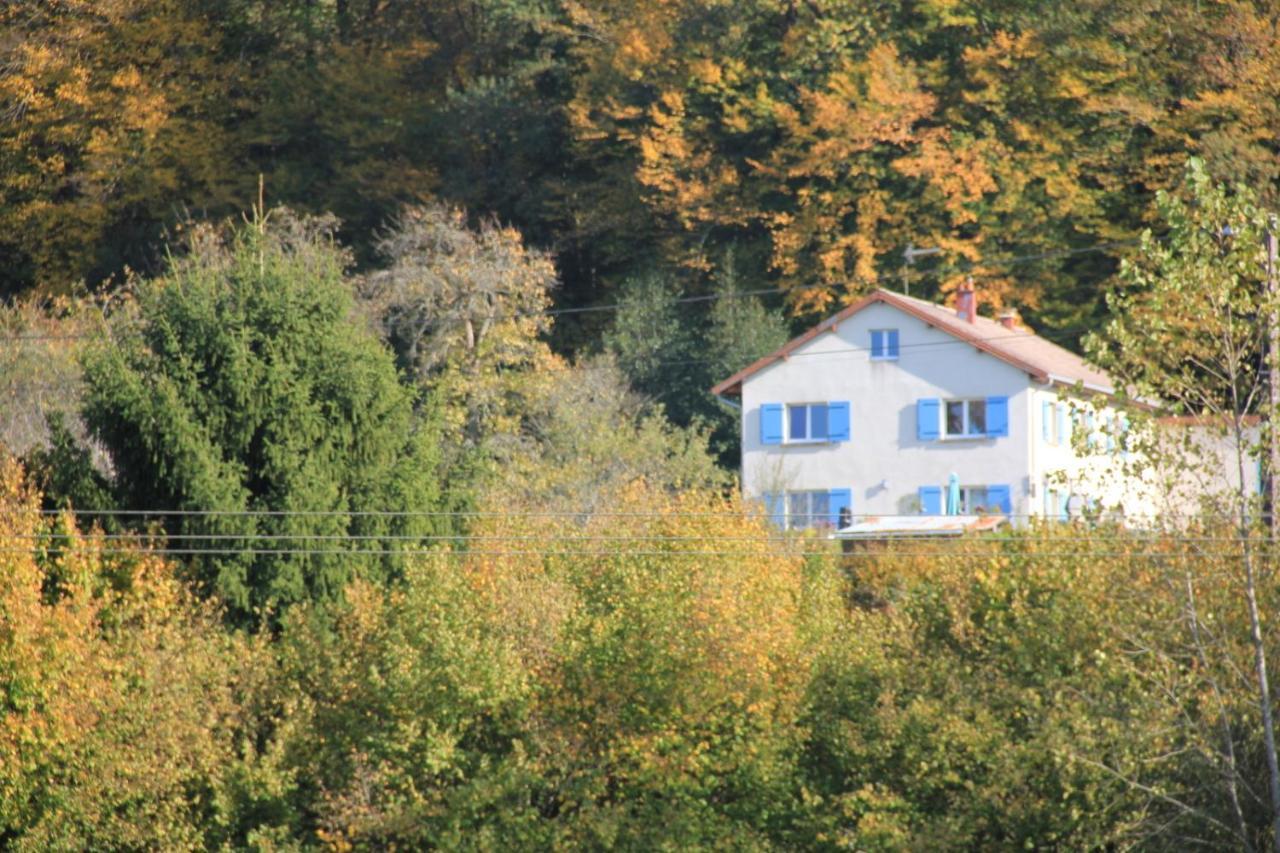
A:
(672, 673)
(820, 139)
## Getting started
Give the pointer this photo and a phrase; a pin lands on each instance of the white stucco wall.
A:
(884, 463)
(1193, 467)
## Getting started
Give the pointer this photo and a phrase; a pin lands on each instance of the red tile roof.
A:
(1043, 360)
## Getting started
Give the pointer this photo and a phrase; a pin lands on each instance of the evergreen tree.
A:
(675, 351)
(266, 421)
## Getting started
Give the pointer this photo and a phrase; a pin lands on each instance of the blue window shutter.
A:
(1063, 498)
(877, 344)
(775, 506)
(1124, 434)
(928, 412)
(1002, 497)
(893, 343)
(771, 423)
(1110, 425)
(838, 421)
(1046, 420)
(840, 499)
(1064, 425)
(931, 500)
(1089, 431)
(997, 416)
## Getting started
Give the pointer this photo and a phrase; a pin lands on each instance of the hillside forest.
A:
(361, 489)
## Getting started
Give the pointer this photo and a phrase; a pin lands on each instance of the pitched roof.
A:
(1043, 360)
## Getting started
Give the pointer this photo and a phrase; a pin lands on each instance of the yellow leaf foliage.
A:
(117, 691)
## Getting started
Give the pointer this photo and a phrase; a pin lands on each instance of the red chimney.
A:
(1009, 318)
(967, 301)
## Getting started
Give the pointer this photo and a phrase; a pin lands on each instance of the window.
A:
(807, 422)
(884, 344)
(1056, 422)
(973, 500)
(938, 419)
(965, 418)
(804, 423)
(1055, 502)
(808, 509)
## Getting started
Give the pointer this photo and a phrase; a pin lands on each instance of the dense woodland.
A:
(812, 142)
(360, 487)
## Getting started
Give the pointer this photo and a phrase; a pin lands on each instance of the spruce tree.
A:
(267, 423)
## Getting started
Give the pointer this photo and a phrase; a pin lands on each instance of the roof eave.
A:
(733, 385)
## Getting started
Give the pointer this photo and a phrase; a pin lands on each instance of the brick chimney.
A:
(967, 301)
(1009, 319)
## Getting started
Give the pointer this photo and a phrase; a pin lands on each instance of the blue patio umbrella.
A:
(953, 495)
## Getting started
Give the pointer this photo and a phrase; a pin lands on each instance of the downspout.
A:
(1034, 498)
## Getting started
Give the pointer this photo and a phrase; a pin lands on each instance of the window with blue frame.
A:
(950, 419)
(974, 500)
(884, 344)
(804, 423)
(809, 508)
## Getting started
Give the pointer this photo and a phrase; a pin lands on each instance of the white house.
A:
(878, 406)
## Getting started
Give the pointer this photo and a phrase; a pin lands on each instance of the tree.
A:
(465, 311)
(1190, 332)
(584, 434)
(116, 115)
(675, 352)
(120, 695)
(265, 425)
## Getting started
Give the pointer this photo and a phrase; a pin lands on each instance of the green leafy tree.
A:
(249, 394)
(584, 434)
(1189, 335)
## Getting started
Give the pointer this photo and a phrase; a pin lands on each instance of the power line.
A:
(746, 512)
(686, 362)
(769, 537)
(985, 553)
(971, 267)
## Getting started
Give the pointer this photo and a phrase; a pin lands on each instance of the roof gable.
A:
(1042, 360)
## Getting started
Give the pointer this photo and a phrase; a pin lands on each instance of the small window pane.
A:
(976, 500)
(977, 417)
(817, 422)
(819, 508)
(955, 417)
(798, 509)
(798, 422)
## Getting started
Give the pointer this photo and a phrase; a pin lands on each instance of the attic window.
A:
(884, 344)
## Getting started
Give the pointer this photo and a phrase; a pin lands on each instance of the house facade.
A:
(880, 408)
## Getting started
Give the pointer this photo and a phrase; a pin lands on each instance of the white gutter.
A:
(723, 399)
(1062, 380)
